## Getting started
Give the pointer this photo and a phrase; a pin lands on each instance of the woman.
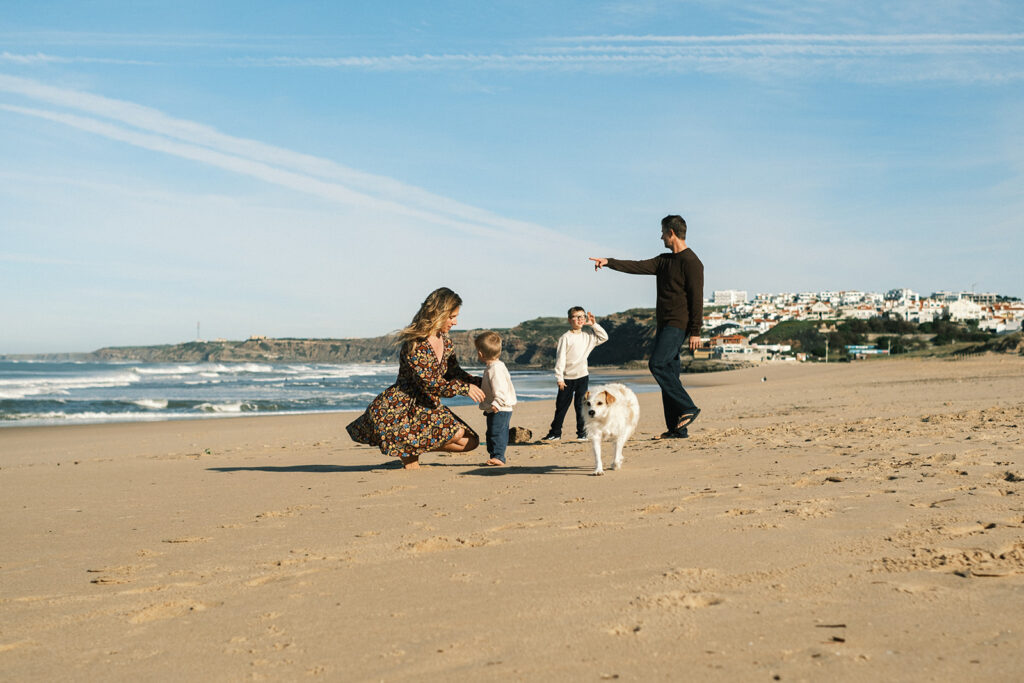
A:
(408, 419)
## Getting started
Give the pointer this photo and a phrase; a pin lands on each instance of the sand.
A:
(845, 522)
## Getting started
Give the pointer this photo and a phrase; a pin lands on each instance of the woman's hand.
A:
(476, 393)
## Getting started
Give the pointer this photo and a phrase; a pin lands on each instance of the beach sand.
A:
(836, 522)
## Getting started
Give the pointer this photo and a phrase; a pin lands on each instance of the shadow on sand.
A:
(528, 469)
(396, 465)
(312, 468)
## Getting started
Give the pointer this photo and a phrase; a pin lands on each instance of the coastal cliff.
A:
(531, 343)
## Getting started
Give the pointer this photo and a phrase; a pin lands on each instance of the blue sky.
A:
(315, 168)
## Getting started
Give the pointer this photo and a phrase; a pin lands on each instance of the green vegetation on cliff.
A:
(532, 343)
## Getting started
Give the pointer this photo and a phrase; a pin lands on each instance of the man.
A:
(680, 315)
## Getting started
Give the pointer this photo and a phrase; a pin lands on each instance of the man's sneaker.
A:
(552, 437)
(581, 438)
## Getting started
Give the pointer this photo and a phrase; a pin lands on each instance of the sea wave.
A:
(232, 407)
(152, 403)
(41, 386)
(165, 370)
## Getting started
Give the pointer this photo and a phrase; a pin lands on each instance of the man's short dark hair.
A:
(676, 224)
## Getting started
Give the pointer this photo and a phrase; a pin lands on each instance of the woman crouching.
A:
(408, 418)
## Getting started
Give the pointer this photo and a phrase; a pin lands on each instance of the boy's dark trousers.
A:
(573, 393)
(497, 433)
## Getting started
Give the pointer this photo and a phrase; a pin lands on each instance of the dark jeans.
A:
(664, 365)
(573, 393)
(497, 433)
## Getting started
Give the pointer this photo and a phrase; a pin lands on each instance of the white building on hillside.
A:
(914, 313)
(820, 309)
(903, 296)
(860, 312)
(730, 297)
(964, 309)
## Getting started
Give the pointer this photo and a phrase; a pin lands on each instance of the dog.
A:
(611, 412)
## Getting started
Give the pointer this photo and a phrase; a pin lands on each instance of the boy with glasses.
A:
(571, 371)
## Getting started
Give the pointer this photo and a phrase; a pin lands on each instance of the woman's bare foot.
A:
(410, 462)
(494, 462)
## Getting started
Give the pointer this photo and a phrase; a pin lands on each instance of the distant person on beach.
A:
(499, 396)
(571, 371)
(408, 418)
(679, 314)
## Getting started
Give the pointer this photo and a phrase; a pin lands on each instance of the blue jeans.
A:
(572, 394)
(664, 365)
(497, 433)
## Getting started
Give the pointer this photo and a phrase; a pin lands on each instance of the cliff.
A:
(530, 343)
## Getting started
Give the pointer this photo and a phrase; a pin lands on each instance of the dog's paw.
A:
(597, 473)
(617, 465)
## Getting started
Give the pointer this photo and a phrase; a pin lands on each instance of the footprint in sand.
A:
(439, 543)
(113, 575)
(676, 600)
(808, 509)
(287, 512)
(169, 610)
(658, 509)
(1006, 561)
(273, 578)
(387, 491)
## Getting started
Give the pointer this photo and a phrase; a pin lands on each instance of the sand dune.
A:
(840, 522)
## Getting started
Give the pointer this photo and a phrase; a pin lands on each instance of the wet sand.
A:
(843, 522)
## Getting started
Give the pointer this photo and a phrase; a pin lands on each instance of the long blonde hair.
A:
(434, 310)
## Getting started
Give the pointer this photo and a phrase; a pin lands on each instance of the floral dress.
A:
(408, 418)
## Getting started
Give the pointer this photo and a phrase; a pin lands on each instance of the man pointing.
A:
(679, 313)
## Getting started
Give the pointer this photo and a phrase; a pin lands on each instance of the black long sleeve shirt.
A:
(680, 282)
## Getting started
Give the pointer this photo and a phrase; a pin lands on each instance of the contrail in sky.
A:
(152, 129)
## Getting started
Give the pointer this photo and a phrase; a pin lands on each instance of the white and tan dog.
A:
(610, 412)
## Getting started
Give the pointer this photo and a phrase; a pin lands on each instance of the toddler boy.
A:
(499, 395)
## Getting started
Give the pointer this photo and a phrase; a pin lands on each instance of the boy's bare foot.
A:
(410, 462)
(494, 462)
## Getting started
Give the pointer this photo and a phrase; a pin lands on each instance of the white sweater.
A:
(497, 388)
(573, 349)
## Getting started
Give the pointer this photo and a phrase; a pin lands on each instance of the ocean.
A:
(36, 393)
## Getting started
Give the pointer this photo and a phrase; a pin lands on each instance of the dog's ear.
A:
(586, 396)
(608, 398)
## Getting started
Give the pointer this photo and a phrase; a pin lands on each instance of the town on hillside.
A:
(739, 328)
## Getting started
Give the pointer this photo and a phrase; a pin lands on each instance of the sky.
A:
(315, 169)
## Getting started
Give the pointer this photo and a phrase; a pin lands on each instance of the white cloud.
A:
(304, 173)
(855, 56)
(40, 58)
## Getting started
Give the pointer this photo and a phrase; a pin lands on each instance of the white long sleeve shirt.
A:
(574, 348)
(497, 388)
